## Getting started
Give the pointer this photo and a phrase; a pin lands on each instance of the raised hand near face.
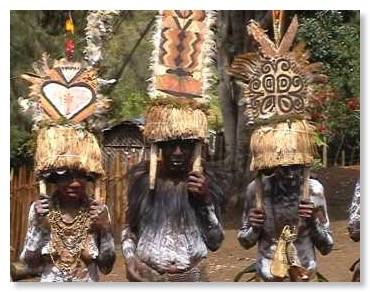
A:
(41, 208)
(99, 216)
(197, 186)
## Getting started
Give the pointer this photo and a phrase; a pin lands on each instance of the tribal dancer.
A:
(285, 212)
(69, 231)
(174, 204)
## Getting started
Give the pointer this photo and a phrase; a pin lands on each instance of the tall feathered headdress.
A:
(276, 96)
(276, 83)
(65, 102)
(181, 66)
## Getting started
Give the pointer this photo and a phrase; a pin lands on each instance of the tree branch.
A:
(126, 60)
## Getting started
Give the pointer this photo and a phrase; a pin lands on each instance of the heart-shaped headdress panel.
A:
(65, 94)
(181, 69)
(66, 91)
(276, 83)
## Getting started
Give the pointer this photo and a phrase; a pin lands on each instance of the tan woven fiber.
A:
(63, 147)
(285, 143)
(167, 122)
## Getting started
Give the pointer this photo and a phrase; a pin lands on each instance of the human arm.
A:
(319, 221)
(202, 197)
(101, 224)
(35, 236)
(252, 220)
(354, 215)
(129, 241)
(138, 186)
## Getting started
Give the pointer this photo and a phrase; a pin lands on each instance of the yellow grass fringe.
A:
(166, 122)
(285, 143)
(63, 147)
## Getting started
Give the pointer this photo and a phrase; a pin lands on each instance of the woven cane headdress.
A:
(276, 96)
(181, 68)
(65, 102)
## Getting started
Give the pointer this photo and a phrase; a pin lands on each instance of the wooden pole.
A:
(343, 156)
(197, 163)
(259, 191)
(153, 165)
(97, 192)
(306, 190)
(42, 187)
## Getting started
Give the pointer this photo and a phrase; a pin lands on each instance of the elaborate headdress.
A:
(277, 97)
(181, 68)
(276, 84)
(65, 102)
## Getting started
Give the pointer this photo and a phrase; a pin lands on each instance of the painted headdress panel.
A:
(65, 92)
(276, 79)
(276, 84)
(180, 64)
(181, 67)
(65, 102)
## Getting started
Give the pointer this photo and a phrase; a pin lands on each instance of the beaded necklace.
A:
(68, 240)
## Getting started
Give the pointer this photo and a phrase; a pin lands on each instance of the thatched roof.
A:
(125, 134)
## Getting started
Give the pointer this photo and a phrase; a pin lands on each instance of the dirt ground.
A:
(231, 258)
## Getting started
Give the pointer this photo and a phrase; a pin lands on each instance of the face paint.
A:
(289, 175)
(71, 184)
(177, 155)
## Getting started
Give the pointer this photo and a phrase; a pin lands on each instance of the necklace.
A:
(68, 240)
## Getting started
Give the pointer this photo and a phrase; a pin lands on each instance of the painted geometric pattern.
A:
(275, 79)
(180, 52)
(277, 89)
(65, 91)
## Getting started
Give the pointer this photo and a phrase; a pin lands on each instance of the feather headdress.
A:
(276, 95)
(181, 68)
(65, 100)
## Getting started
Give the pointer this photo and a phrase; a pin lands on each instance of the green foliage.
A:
(317, 164)
(126, 58)
(131, 105)
(333, 38)
(215, 119)
(121, 51)
(21, 150)
(215, 116)
(34, 32)
(336, 44)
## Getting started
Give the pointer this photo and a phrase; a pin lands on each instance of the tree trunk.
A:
(352, 156)
(225, 98)
(337, 153)
(343, 154)
(233, 40)
(325, 156)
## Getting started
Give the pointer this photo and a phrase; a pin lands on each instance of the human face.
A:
(289, 176)
(71, 184)
(177, 155)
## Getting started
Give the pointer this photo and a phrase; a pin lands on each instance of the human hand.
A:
(99, 215)
(41, 209)
(256, 218)
(197, 186)
(133, 267)
(305, 209)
